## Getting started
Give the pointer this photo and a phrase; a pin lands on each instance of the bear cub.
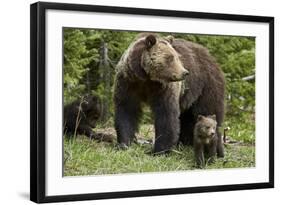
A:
(81, 117)
(205, 139)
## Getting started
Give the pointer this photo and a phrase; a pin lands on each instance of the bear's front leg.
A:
(212, 150)
(86, 130)
(167, 124)
(126, 121)
(199, 154)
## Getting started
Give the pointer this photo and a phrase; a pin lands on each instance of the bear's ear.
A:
(170, 39)
(200, 117)
(213, 117)
(150, 41)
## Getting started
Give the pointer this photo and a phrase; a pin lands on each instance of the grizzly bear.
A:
(178, 79)
(82, 115)
(205, 139)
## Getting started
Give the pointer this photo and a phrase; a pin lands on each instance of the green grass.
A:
(86, 157)
(242, 130)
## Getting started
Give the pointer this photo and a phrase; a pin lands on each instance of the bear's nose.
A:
(185, 73)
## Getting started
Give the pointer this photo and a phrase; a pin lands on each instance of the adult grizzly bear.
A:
(154, 70)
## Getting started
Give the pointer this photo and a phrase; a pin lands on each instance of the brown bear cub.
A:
(81, 116)
(177, 79)
(205, 139)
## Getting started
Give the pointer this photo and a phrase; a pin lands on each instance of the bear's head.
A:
(154, 57)
(160, 61)
(206, 127)
(91, 107)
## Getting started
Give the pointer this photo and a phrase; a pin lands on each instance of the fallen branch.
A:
(248, 78)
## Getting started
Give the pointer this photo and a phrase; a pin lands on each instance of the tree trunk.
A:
(105, 71)
(88, 85)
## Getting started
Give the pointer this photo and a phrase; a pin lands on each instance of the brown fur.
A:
(205, 139)
(81, 116)
(204, 89)
(151, 71)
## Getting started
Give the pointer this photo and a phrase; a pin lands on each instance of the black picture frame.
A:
(38, 100)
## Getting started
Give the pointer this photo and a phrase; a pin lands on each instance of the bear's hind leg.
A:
(220, 146)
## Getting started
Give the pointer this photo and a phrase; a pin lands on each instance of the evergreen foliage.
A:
(90, 57)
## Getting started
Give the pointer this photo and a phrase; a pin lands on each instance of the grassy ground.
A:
(85, 157)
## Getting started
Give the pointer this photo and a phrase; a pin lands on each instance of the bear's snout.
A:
(185, 73)
(180, 76)
(212, 133)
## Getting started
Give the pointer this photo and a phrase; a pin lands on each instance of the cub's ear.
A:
(150, 41)
(213, 117)
(200, 117)
(170, 39)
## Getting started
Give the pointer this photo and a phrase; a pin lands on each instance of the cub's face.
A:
(91, 106)
(161, 62)
(206, 127)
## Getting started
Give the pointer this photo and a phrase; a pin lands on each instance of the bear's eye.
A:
(170, 58)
